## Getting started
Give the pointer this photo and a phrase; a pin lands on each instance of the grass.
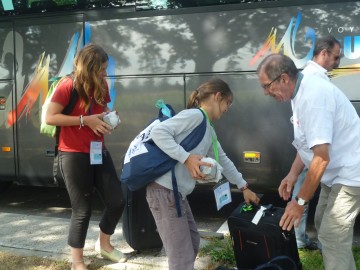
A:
(10, 262)
(221, 252)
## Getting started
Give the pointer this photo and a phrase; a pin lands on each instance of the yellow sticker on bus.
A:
(251, 156)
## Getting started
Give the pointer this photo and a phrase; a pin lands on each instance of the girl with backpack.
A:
(179, 235)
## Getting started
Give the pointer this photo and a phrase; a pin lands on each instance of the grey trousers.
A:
(179, 235)
(335, 216)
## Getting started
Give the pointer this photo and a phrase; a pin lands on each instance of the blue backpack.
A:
(144, 161)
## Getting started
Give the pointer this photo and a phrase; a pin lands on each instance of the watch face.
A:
(301, 201)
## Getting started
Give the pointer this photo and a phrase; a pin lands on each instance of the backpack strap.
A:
(176, 192)
(67, 110)
(189, 143)
(194, 138)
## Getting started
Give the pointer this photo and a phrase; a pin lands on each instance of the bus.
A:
(163, 49)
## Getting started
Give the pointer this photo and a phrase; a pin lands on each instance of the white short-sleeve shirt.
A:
(322, 114)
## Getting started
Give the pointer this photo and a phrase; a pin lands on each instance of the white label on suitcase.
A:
(259, 214)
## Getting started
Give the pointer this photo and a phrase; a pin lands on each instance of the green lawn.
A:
(221, 252)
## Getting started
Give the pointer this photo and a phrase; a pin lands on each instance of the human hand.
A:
(287, 185)
(292, 215)
(250, 196)
(193, 164)
(97, 125)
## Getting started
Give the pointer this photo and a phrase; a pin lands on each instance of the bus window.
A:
(17, 7)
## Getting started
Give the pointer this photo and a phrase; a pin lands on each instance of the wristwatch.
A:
(300, 201)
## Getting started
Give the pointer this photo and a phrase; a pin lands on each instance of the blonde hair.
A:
(208, 88)
(88, 65)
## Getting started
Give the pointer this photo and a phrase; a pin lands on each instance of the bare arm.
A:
(55, 117)
(289, 181)
(317, 168)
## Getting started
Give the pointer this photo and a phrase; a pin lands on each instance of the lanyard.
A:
(214, 137)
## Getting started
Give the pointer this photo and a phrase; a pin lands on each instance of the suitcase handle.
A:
(272, 265)
(249, 207)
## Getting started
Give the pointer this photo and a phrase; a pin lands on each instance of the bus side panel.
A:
(48, 47)
(229, 40)
(7, 147)
(219, 42)
(254, 124)
(135, 102)
(7, 150)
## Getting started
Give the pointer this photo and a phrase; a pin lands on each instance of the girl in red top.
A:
(80, 131)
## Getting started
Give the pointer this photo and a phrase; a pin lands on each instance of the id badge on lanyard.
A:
(95, 153)
(95, 146)
(222, 194)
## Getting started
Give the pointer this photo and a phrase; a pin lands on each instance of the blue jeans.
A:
(302, 238)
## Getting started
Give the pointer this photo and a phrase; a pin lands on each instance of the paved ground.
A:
(34, 221)
(46, 237)
(41, 230)
(42, 236)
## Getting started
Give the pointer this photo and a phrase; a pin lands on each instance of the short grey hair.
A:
(275, 64)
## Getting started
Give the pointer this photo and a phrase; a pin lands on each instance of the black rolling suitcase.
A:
(138, 224)
(255, 245)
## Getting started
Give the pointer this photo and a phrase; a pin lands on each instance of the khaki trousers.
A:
(335, 217)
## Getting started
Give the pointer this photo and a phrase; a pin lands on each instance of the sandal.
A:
(115, 255)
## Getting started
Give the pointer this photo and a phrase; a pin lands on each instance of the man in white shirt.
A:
(327, 139)
(326, 57)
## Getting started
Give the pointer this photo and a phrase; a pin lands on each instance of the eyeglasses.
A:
(228, 103)
(337, 56)
(267, 86)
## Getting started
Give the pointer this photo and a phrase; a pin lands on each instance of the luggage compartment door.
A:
(45, 48)
(7, 150)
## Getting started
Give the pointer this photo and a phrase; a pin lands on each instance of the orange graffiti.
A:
(38, 84)
(269, 45)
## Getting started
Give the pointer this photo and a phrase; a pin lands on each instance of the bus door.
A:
(7, 150)
(45, 48)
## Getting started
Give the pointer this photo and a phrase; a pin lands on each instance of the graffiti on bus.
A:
(351, 46)
(39, 83)
(287, 43)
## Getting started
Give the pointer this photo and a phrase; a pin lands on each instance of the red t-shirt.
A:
(73, 139)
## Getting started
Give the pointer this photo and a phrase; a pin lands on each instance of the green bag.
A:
(50, 130)
(46, 129)
(54, 131)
